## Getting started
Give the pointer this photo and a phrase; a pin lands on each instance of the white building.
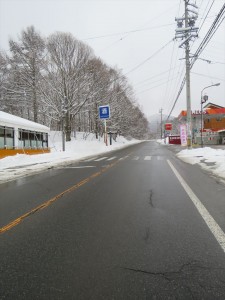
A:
(18, 133)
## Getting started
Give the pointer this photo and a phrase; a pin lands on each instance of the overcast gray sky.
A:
(125, 33)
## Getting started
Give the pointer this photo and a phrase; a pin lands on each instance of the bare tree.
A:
(65, 76)
(3, 79)
(26, 61)
(61, 84)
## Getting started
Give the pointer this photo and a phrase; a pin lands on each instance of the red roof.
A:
(215, 111)
(208, 111)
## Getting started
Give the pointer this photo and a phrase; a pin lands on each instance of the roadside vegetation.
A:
(58, 80)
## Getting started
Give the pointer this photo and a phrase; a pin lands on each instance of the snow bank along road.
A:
(134, 224)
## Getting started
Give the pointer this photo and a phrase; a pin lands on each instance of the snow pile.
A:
(164, 141)
(208, 158)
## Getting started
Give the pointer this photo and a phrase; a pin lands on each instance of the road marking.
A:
(210, 222)
(122, 158)
(52, 200)
(147, 158)
(160, 158)
(101, 158)
(78, 167)
(90, 159)
(111, 158)
(136, 158)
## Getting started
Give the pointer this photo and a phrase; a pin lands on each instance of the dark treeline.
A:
(48, 80)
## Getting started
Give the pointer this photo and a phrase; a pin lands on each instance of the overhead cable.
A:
(215, 25)
(150, 57)
(126, 32)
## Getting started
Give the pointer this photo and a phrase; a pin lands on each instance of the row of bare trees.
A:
(60, 79)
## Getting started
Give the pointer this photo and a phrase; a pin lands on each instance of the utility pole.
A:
(188, 88)
(160, 111)
(187, 33)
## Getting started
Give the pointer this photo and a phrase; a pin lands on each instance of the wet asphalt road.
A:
(119, 226)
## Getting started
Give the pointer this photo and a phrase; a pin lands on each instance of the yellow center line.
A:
(52, 200)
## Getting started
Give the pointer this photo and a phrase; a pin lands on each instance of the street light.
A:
(203, 100)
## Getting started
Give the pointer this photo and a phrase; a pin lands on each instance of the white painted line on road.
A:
(90, 159)
(147, 158)
(122, 158)
(210, 222)
(99, 159)
(79, 167)
(160, 158)
(111, 158)
(136, 158)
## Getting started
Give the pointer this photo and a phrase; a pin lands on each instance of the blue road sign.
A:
(104, 112)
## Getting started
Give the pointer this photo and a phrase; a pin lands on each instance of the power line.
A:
(217, 22)
(157, 85)
(203, 75)
(168, 79)
(126, 32)
(147, 59)
(157, 75)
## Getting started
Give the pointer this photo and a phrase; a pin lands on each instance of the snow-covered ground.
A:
(85, 146)
(208, 158)
(80, 147)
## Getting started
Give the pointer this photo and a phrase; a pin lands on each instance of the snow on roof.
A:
(212, 105)
(12, 121)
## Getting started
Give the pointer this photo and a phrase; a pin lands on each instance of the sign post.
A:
(183, 135)
(104, 113)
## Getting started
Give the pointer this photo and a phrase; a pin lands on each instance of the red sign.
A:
(168, 126)
(175, 139)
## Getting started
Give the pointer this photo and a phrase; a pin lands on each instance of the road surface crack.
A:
(149, 273)
(184, 269)
(151, 198)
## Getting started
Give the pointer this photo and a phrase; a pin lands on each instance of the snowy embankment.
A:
(208, 158)
(81, 146)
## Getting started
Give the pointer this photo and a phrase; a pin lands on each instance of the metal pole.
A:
(201, 122)
(63, 115)
(63, 135)
(203, 101)
(188, 89)
(161, 120)
(106, 140)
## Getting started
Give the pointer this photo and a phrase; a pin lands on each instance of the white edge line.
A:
(211, 223)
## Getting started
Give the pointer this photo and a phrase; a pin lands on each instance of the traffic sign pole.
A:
(104, 113)
(106, 140)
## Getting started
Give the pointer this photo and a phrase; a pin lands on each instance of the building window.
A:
(6, 137)
(2, 137)
(219, 119)
(32, 139)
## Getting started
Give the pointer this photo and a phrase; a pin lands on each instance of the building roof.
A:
(212, 105)
(12, 121)
(207, 111)
(215, 111)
